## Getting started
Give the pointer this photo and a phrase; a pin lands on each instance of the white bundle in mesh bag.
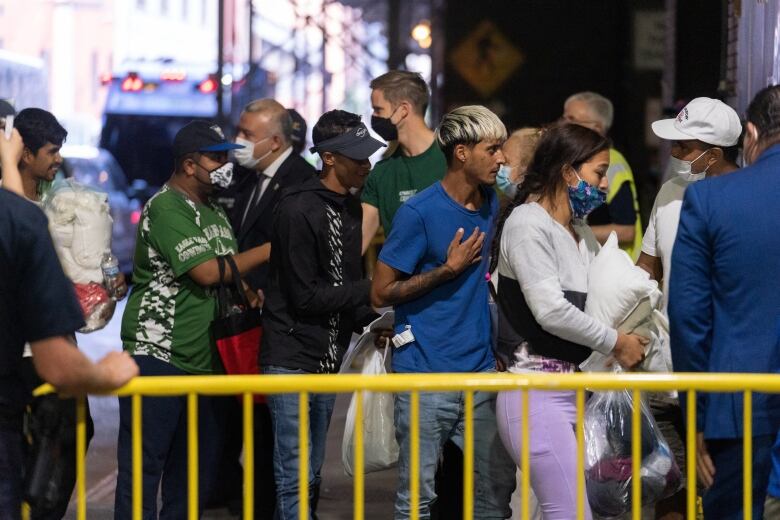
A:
(80, 226)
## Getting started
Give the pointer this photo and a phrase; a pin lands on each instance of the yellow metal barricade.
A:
(303, 385)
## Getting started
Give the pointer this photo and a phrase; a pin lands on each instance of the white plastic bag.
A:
(608, 462)
(380, 446)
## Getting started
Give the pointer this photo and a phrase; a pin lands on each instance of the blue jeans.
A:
(284, 419)
(11, 464)
(442, 419)
(164, 452)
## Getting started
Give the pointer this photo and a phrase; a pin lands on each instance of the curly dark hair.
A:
(560, 145)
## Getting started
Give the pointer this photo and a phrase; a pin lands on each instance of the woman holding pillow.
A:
(542, 250)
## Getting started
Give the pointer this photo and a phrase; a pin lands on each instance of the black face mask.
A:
(385, 127)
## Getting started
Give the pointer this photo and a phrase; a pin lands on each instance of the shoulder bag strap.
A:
(237, 281)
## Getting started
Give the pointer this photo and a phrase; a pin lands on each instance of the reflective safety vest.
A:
(619, 172)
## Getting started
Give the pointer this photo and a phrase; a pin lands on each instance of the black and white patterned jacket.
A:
(316, 293)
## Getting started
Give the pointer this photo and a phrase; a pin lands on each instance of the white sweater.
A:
(544, 258)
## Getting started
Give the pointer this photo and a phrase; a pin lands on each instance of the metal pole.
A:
(251, 17)
(668, 79)
(324, 68)
(437, 50)
(395, 58)
(220, 60)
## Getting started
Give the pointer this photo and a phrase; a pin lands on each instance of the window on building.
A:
(140, 4)
(185, 4)
(164, 7)
(203, 11)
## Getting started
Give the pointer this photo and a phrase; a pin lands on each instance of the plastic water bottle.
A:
(110, 267)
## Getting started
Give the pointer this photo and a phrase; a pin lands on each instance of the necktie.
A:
(257, 193)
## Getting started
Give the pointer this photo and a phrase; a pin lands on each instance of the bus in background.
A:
(23, 81)
(149, 101)
(146, 104)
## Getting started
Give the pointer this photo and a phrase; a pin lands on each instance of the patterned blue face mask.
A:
(584, 198)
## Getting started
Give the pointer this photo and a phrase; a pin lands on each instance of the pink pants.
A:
(552, 450)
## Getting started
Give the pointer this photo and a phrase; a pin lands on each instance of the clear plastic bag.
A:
(608, 463)
(80, 226)
(380, 446)
(96, 304)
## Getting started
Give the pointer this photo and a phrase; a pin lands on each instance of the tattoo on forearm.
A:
(417, 285)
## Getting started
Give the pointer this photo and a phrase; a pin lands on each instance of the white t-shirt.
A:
(662, 228)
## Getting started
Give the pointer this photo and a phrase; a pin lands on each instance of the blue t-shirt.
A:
(451, 323)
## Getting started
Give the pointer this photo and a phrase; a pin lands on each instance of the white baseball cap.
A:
(709, 120)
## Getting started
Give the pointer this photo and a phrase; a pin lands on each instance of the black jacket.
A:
(256, 229)
(316, 294)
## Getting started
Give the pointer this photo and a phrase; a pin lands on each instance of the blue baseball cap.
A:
(201, 136)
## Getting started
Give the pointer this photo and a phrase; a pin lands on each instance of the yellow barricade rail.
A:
(192, 386)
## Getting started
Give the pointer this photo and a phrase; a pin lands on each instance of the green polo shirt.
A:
(398, 178)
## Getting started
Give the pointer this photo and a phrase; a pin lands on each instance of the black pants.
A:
(11, 457)
(63, 472)
(230, 481)
(449, 484)
(164, 455)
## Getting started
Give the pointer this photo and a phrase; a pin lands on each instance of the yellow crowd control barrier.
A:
(192, 386)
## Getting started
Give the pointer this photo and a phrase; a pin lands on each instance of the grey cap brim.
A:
(665, 129)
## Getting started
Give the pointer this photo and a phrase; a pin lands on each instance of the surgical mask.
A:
(384, 126)
(504, 181)
(221, 177)
(245, 156)
(684, 169)
(584, 198)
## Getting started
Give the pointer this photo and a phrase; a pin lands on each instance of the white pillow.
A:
(616, 285)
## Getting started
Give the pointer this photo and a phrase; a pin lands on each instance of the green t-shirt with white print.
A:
(168, 315)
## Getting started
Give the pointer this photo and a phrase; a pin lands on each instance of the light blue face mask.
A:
(504, 182)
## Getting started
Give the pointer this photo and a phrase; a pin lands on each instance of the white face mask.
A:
(245, 156)
(684, 170)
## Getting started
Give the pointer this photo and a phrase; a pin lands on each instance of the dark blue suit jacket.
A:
(724, 291)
